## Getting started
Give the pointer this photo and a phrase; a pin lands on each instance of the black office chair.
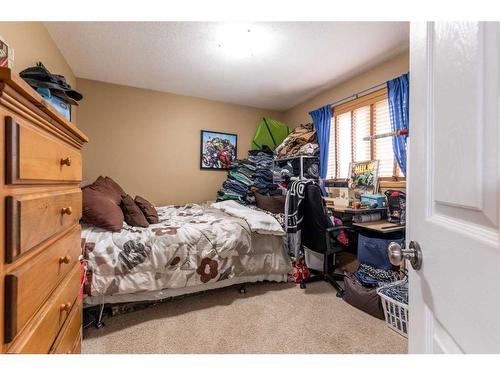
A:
(320, 235)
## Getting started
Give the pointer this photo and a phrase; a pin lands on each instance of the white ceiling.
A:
(289, 62)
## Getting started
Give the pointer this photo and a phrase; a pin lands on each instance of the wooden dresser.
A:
(40, 209)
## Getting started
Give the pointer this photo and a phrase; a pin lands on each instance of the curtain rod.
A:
(358, 94)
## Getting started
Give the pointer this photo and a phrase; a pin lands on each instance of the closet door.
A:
(454, 192)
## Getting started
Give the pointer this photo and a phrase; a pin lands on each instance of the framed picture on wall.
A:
(363, 176)
(217, 150)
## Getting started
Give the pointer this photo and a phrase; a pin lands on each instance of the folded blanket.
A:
(258, 221)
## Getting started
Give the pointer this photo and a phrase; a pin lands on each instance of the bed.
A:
(193, 248)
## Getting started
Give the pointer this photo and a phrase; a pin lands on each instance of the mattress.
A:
(193, 248)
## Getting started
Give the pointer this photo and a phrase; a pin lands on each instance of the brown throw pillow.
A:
(102, 185)
(132, 212)
(274, 204)
(147, 209)
(114, 185)
(100, 210)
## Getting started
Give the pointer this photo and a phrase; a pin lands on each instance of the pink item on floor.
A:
(342, 237)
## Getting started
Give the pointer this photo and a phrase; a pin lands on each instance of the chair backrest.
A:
(315, 219)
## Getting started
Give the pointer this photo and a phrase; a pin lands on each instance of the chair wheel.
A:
(243, 289)
(302, 285)
(99, 325)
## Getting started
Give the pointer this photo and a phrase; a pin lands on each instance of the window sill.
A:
(392, 184)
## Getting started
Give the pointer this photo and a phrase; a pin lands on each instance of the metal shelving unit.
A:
(299, 165)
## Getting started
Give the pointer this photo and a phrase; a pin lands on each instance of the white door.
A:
(454, 192)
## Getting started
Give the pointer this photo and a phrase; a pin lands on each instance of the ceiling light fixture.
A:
(238, 40)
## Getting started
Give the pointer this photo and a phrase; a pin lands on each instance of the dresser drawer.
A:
(28, 286)
(41, 332)
(68, 340)
(33, 158)
(33, 218)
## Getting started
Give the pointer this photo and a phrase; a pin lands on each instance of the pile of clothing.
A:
(52, 87)
(247, 176)
(302, 141)
(372, 277)
(263, 173)
(39, 77)
(240, 179)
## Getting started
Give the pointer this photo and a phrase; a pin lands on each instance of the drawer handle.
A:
(66, 161)
(65, 307)
(66, 210)
(65, 259)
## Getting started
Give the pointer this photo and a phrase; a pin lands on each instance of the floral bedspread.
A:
(191, 245)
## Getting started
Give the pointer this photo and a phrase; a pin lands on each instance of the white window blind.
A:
(383, 146)
(361, 127)
(344, 143)
(332, 156)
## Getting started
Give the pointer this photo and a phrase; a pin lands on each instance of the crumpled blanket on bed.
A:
(259, 221)
(191, 245)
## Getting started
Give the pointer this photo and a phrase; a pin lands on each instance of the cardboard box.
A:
(341, 196)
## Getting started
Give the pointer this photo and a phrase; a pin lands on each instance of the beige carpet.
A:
(269, 318)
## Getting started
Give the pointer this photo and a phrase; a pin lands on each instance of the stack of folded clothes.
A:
(263, 175)
(239, 180)
(245, 177)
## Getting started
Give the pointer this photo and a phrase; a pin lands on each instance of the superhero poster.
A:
(363, 176)
(218, 150)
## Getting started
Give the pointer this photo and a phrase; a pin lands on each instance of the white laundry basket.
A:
(396, 312)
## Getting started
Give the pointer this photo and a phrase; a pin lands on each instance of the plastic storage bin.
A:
(372, 248)
(393, 297)
(379, 199)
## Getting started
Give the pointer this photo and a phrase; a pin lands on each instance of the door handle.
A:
(413, 254)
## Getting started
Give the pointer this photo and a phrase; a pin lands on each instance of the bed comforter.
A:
(191, 245)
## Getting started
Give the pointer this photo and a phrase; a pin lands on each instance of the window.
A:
(359, 118)
(344, 144)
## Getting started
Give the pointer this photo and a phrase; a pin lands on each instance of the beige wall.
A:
(32, 42)
(149, 141)
(380, 73)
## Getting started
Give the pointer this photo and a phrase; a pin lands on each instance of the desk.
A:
(381, 226)
(353, 211)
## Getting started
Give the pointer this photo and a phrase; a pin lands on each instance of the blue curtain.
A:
(398, 91)
(322, 119)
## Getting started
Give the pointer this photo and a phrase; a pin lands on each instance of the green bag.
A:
(270, 133)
